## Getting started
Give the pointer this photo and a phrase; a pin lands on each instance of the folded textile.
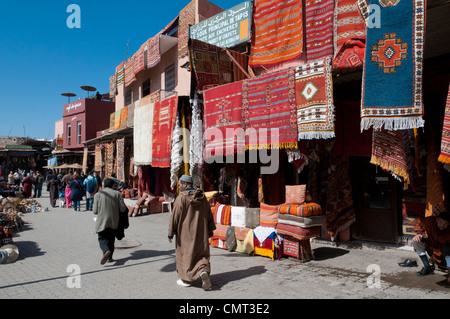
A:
(262, 233)
(304, 222)
(299, 232)
(247, 244)
(220, 232)
(305, 210)
(238, 216)
(222, 214)
(252, 217)
(241, 232)
(268, 215)
(219, 243)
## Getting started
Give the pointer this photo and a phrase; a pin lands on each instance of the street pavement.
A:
(60, 259)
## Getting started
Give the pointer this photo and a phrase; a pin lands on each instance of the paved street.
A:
(60, 243)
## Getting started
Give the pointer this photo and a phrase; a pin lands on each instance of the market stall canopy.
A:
(51, 166)
(76, 165)
(64, 166)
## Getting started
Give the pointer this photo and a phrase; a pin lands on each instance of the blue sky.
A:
(41, 57)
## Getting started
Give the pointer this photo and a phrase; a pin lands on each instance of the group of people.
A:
(29, 181)
(70, 189)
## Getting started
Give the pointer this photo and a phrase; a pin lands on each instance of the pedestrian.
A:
(90, 184)
(54, 187)
(68, 193)
(99, 181)
(108, 204)
(27, 184)
(77, 191)
(432, 238)
(11, 178)
(67, 179)
(39, 181)
(193, 224)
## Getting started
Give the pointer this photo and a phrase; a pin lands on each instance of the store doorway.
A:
(375, 197)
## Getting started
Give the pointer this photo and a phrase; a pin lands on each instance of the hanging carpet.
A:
(314, 98)
(278, 32)
(392, 73)
(268, 103)
(444, 157)
(142, 134)
(319, 29)
(164, 122)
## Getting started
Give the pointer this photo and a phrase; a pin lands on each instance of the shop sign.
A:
(225, 29)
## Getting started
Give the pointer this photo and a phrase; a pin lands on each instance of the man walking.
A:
(192, 222)
(90, 183)
(108, 203)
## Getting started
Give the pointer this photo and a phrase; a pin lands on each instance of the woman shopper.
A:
(77, 191)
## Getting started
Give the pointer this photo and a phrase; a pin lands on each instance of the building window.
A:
(78, 132)
(128, 97)
(68, 133)
(146, 88)
(170, 78)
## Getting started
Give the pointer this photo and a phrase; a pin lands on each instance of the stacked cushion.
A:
(268, 215)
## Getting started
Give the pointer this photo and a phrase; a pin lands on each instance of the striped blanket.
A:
(304, 222)
(299, 232)
(319, 29)
(268, 215)
(222, 214)
(278, 32)
(305, 210)
(268, 103)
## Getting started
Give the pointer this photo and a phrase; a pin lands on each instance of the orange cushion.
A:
(295, 195)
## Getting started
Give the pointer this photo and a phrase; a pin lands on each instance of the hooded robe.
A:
(193, 223)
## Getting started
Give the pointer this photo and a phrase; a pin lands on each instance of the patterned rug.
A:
(120, 73)
(164, 118)
(98, 158)
(314, 98)
(223, 110)
(278, 32)
(393, 64)
(239, 73)
(121, 159)
(205, 63)
(319, 29)
(444, 157)
(109, 159)
(339, 210)
(349, 35)
(435, 178)
(389, 153)
(268, 102)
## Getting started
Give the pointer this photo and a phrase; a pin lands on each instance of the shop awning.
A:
(166, 43)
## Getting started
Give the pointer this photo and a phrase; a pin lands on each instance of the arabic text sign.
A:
(225, 29)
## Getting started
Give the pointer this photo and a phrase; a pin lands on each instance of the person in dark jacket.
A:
(77, 192)
(53, 187)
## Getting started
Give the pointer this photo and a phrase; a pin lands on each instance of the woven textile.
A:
(164, 118)
(295, 195)
(388, 152)
(218, 243)
(130, 75)
(98, 158)
(304, 222)
(305, 210)
(123, 117)
(278, 32)
(444, 157)
(319, 29)
(314, 98)
(205, 62)
(220, 232)
(222, 214)
(139, 63)
(121, 159)
(268, 103)
(242, 60)
(339, 212)
(120, 74)
(109, 159)
(349, 35)
(392, 73)
(112, 85)
(298, 232)
(435, 198)
(142, 134)
(268, 215)
(186, 18)
(223, 110)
